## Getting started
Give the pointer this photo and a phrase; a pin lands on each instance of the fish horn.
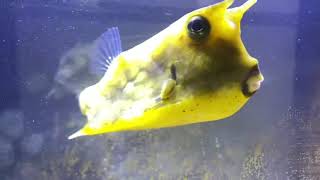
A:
(238, 12)
(227, 3)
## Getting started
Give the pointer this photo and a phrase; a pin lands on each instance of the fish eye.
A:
(198, 27)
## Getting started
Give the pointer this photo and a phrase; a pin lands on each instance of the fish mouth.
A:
(252, 82)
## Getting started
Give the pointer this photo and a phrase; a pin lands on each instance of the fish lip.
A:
(253, 73)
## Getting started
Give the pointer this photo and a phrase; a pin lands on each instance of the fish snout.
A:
(252, 82)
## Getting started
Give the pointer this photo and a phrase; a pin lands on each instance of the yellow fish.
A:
(195, 70)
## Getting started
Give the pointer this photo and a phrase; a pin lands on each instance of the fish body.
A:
(195, 70)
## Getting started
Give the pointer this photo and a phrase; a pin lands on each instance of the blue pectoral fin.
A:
(107, 47)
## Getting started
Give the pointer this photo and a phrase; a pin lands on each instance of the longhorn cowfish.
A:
(195, 70)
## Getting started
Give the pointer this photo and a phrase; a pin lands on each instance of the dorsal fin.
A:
(107, 47)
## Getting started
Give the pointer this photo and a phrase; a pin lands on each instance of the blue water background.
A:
(275, 136)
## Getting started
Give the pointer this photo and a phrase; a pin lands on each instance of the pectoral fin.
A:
(169, 85)
(167, 89)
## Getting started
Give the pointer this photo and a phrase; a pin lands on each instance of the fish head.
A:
(208, 41)
(216, 75)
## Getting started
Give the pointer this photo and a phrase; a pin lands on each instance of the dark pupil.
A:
(198, 28)
(197, 25)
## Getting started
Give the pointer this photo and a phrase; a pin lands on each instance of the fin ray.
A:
(107, 47)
